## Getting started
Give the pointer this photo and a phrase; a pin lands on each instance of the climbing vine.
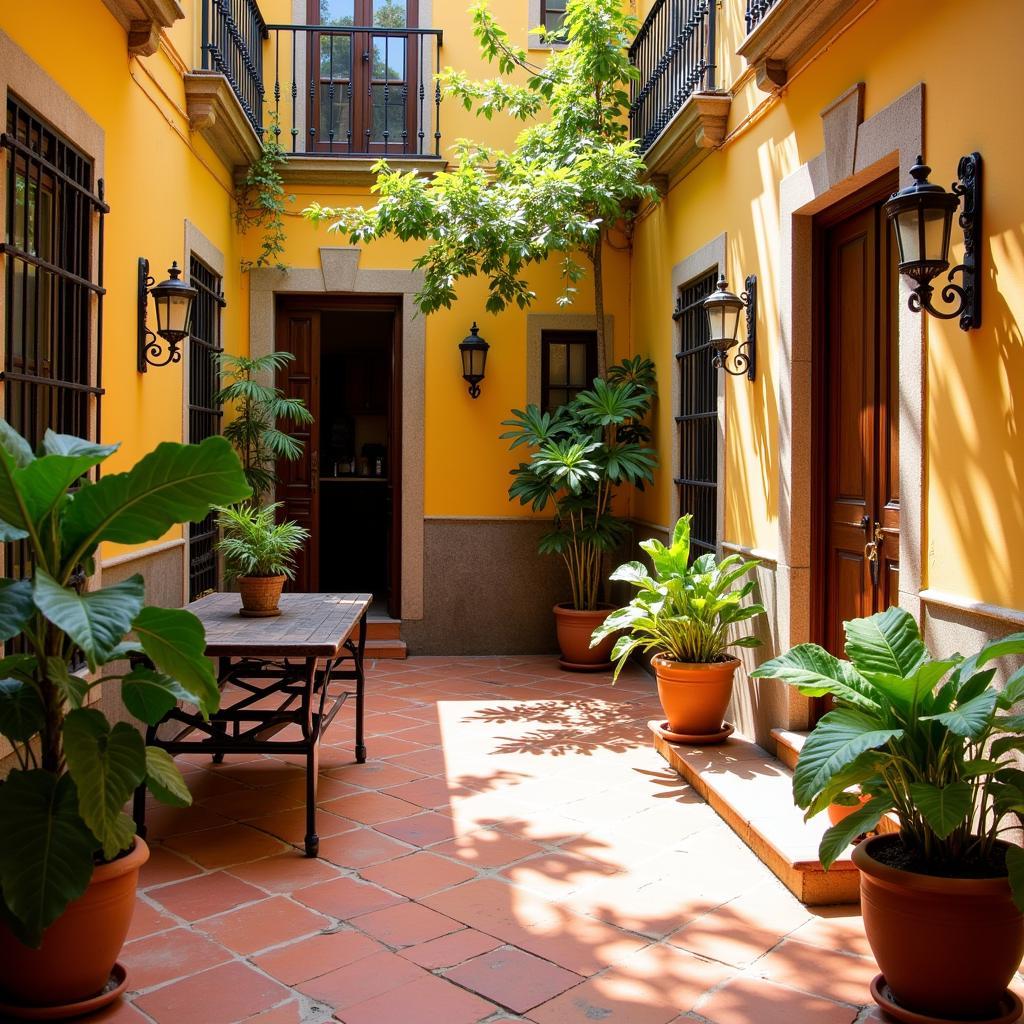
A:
(260, 203)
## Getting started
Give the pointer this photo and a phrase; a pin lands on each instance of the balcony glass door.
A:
(363, 73)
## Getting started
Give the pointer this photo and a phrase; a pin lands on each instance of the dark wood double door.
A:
(856, 442)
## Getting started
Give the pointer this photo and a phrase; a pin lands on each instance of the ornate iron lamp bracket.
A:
(150, 346)
(743, 356)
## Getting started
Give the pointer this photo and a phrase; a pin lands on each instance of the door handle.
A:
(314, 468)
(871, 550)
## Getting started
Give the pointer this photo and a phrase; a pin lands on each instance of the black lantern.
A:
(473, 350)
(723, 309)
(174, 300)
(922, 215)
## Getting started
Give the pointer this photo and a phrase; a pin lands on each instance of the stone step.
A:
(752, 792)
(384, 649)
(381, 628)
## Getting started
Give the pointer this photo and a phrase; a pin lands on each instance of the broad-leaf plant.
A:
(582, 452)
(683, 610)
(61, 807)
(933, 740)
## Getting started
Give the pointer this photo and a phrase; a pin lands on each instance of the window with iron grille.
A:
(568, 365)
(698, 417)
(53, 249)
(204, 412)
(552, 14)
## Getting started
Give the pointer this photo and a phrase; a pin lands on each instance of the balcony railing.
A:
(756, 10)
(357, 91)
(233, 34)
(674, 52)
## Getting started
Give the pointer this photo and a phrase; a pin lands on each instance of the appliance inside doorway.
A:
(356, 452)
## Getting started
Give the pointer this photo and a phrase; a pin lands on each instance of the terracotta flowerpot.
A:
(948, 947)
(694, 697)
(260, 594)
(81, 947)
(837, 812)
(574, 629)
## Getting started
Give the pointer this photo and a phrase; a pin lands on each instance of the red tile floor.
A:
(514, 850)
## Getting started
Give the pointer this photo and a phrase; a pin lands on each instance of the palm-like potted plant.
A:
(685, 614)
(935, 742)
(69, 858)
(259, 554)
(582, 453)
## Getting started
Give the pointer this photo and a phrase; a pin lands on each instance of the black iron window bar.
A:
(233, 32)
(756, 10)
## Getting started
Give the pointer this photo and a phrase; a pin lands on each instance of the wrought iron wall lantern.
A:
(473, 350)
(723, 309)
(174, 301)
(922, 215)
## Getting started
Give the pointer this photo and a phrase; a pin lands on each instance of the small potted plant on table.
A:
(259, 554)
(69, 857)
(684, 613)
(935, 742)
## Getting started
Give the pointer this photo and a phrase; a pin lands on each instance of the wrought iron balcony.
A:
(756, 10)
(233, 33)
(674, 52)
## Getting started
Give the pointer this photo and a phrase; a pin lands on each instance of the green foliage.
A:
(931, 739)
(254, 545)
(582, 452)
(683, 611)
(62, 805)
(258, 408)
(260, 201)
(573, 174)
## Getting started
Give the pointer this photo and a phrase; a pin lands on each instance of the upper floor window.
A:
(552, 14)
(568, 365)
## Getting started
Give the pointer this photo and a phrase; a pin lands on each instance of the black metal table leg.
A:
(312, 738)
(360, 691)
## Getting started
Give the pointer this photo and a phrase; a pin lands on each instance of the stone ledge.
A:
(695, 130)
(214, 111)
(143, 20)
(787, 32)
(352, 170)
(752, 792)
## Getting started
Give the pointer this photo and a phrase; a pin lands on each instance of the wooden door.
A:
(858, 423)
(298, 482)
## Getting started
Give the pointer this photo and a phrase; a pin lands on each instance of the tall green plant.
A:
(258, 409)
(582, 453)
(932, 739)
(62, 806)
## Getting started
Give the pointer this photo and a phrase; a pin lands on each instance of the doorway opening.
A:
(346, 489)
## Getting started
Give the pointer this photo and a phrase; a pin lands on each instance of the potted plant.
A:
(934, 741)
(582, 453)
(259, 554)
(69, 859)
(684, 613)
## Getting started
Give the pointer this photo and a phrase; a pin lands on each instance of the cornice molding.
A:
(697, 128)
(351, 170)
(214, 111)
(144, 20)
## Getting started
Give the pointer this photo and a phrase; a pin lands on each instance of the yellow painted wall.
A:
(973, 432)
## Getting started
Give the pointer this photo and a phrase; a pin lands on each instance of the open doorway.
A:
(346, 489)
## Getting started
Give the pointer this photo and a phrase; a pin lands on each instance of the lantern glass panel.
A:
(179, 310)
(908, 234)
(723, 322)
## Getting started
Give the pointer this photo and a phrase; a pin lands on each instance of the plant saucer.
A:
(116, 984)
(1009, 1009)
(247, 613)
(582, 666)
(694, 739)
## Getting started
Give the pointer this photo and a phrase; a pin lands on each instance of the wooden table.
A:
(317, 640)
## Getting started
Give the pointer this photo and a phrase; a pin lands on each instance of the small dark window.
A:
(568, 366)
(552, 14)
(204, 412)
(698, 417)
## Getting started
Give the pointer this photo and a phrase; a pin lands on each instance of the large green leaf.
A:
(107, 765)
(1013, 692)
(97, 620)
(14, 449)
(21, 711)
(970, 719)
(72, 686)
(16, 607)
(838, 739)
(164, 780)
(839, 836)
(175, 641)
(816, 672)
(149, 695)
(46, 853)
(175, 483)
(944, 808)
(888, 642)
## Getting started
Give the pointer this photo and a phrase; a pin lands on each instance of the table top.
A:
(310, 625)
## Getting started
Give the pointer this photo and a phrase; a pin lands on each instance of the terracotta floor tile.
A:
(487, 848)
(147, 919)
(164, 866)
(390, 746)
(727, 936)
(260, 925)
(450, 950)
(162, 821)
(433, 793)
(285, 872)
(362, 980)
(405, 924)
(290, 826)
(260, 771)
(289, 1013)
(426, 1001)
(424, 761)
(206, 895)
(221, 847)
(309, 958)
(345, 898)
(424, 829)
(370, 808)
(361, 848)
(168, 955)
(557, 874)
(820, 971)
(840, 928)
(223, 995)
(417, 875)
(375, 775)
(514, 979)
(120, 1012)
(254, 803)
(744, 1000)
